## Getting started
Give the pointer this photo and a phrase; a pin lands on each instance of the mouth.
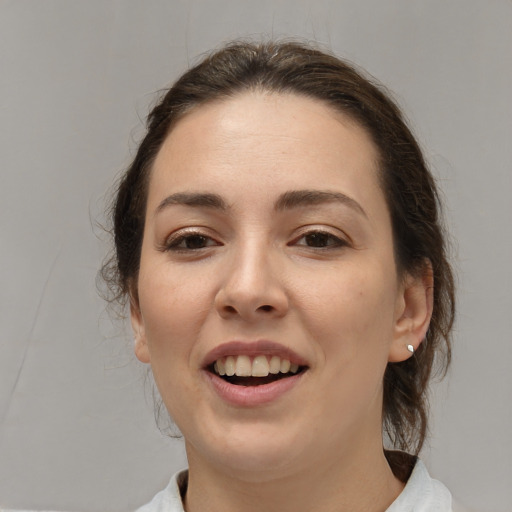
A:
(258, 370)
(248, 374)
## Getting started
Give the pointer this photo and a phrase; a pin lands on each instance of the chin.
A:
(259, 466)
(252, 452)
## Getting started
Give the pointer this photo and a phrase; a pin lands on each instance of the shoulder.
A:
(422, 493)
(169, 500)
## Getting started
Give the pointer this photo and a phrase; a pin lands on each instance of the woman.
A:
(277, 236)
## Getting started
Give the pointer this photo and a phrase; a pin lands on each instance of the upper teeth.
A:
(259, 366)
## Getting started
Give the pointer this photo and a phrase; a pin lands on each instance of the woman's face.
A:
(267, 246)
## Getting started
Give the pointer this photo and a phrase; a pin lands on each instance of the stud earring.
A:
(410, 348)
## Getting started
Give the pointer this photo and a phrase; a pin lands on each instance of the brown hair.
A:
(407, 183)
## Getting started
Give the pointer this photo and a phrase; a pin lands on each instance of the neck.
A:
(348, 483)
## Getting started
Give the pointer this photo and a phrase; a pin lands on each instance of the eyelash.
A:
(181, 241)
(173, 243)
(333, 241)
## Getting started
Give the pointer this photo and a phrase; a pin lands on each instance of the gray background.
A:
(77, 429)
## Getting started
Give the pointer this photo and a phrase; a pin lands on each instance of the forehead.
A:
(267, 126)
(266, 139)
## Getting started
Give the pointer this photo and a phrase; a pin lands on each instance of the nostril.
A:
(266, 308)
(230, 309)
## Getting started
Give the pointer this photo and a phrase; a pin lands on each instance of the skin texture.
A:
(259, 273)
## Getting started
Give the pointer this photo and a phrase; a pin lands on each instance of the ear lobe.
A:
(413, 314)
(141, 345)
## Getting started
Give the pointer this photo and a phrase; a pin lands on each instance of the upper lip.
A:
(253, 349)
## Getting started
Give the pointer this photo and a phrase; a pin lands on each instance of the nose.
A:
(252, 287)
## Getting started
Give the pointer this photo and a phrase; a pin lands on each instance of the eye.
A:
(189, 242)
(320, 240)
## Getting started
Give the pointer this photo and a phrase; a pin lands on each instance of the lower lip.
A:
(250, 396)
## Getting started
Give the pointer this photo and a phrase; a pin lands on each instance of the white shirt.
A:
(421, 494)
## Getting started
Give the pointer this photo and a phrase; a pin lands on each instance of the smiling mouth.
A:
(243, 370)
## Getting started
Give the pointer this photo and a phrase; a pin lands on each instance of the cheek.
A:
(352, 324)
(172, 307)
(351, 310)
(173, 314)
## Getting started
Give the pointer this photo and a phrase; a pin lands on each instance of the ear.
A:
(141, 345)
(413, 312)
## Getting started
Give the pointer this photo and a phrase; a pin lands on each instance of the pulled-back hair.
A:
(407, 183)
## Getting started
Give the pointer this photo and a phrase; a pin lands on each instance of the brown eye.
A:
(317, 240)
(195, 242)
(320, 240)
(190, 242)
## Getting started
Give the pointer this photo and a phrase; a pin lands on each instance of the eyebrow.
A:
(286, 201)
(205, 200)
(300, 198)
